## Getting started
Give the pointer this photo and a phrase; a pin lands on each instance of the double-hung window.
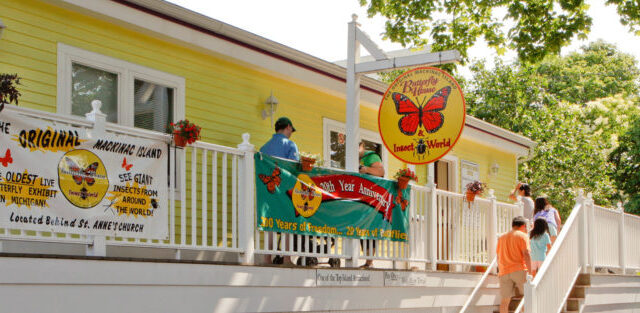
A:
(334, 144)
(131, 94)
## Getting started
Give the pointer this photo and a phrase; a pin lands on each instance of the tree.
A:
(8, 91)
(626, 173)
(568, 107)
(534, 29)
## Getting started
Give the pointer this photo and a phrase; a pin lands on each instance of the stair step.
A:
(573, 304)
(583, 280)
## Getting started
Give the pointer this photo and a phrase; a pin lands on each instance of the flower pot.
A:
(307, 163)
(403, 182)
(470, 196)
(179, 141)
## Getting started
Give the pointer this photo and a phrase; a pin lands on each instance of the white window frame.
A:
(329, 125)
(127, 74)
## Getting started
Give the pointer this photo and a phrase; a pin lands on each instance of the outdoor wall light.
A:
(271, 104)
(2, 27)
(494, 168)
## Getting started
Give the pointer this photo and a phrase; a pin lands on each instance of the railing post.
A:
(622, 241)
(591, 248)
(432, 216)
(582, 231)
(530, 296)
(97, 243)
(492, 229)
(246, 212)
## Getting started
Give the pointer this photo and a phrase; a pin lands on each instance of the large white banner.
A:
(56, 178)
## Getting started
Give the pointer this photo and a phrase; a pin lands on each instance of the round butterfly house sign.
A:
(422, 115)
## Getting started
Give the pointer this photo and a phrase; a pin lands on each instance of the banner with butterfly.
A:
(422, 115)
(328, 202)
(58, 178)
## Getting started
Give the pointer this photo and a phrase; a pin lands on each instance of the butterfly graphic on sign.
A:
(402, 201)
(125, 165)
(427, 115)
(7, 159)
(307, 192)
(88, 174)
(271, 181)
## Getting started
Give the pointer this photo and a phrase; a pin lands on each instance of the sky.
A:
(319, 28)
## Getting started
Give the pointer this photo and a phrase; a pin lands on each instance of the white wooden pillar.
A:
(583, 240)
(352, 121)
(622, 240)
(246, 203)
(432, 217)
(97, 243)
(492, 229)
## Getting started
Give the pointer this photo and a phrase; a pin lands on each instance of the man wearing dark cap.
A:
(281, 146)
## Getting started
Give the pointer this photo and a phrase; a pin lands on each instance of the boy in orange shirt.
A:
(514, 261)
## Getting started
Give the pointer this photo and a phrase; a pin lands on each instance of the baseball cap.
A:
(284, 122)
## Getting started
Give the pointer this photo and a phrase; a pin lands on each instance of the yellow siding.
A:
(484, 156)
(225, 98)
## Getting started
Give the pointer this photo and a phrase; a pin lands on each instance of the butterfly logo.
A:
(307, 192)
(7, 159)
(402, 201)
(428, 116)
(125, 165)
(79, 174)
(271, 181)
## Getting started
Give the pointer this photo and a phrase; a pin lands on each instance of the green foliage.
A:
(569, 106)
(537, 28)
(8, 91)
(626, 171)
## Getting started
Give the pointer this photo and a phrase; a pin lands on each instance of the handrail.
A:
(475, 291)
(577, 209)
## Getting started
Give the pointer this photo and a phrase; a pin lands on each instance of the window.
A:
(131, 95)
(335, 144)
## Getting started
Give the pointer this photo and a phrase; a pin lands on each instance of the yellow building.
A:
(151, 62)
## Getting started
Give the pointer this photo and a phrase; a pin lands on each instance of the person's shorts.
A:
(553, 231)
(512, 281)
(536, 265)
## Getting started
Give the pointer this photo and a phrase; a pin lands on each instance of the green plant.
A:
(8, 91)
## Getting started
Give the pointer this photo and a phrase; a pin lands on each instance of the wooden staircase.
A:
(574, 302)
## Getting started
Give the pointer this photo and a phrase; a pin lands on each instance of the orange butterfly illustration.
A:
(307, 192)
(402, 202)
(271, 181)
(6, 159)
(125, 165)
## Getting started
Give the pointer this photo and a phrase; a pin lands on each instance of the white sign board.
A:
(348, 278)
(56, 178)
(469, 172)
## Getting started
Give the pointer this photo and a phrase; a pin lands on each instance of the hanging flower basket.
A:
(306, 163)
(404, 175)
(179, 141)
(403, 182)
(470, 196)
(184, 132)
(307, 160)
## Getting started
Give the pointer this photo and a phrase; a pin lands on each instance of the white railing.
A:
(552, 285)
(212, 209)
(474, 294)
(592, 237)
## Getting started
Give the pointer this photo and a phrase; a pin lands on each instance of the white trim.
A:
(127, 73)
(329, 125)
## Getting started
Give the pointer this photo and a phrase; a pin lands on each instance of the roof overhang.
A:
(176, 24)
